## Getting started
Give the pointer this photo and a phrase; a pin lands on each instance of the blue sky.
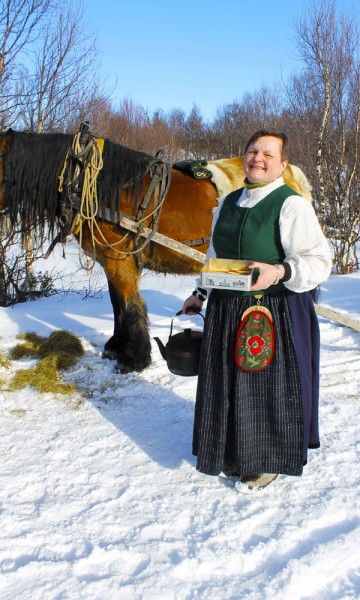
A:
(174, 54)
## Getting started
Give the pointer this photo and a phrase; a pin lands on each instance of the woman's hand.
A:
(267, 275)
(192, 302)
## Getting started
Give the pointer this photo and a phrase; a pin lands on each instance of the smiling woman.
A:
(265, 158)
(256, 409)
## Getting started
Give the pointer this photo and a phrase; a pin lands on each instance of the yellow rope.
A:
(89, 200)
(105, 243)
(89, 216)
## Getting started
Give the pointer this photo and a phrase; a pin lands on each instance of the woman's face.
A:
(262, 162)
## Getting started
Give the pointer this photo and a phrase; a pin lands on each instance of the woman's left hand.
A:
(267, 275)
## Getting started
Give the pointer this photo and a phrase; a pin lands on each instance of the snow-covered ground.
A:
(101, 499)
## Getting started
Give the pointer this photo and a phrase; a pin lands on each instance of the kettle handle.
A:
(193, 309)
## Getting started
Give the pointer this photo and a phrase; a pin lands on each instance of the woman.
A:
(259, 423)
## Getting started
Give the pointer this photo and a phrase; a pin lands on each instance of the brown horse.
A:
(30, 196)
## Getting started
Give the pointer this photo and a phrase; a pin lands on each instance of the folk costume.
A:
(262, 420)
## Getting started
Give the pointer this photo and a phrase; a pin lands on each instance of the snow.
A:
(100, 498)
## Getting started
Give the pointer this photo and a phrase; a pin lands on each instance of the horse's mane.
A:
(121, 165)
(33, 162)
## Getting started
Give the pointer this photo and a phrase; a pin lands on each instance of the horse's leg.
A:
(130, 344)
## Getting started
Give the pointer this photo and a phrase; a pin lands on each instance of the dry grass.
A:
(4, 361)
(44, 377)
(58, 352)
(61, 343)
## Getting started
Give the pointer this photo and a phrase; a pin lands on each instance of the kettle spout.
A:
(161, 347)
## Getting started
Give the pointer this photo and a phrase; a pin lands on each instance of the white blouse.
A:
(305, 246)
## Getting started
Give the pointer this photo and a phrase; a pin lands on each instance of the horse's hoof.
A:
(121, 368)
(110, 354)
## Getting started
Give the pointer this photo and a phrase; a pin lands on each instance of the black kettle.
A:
(182, 352)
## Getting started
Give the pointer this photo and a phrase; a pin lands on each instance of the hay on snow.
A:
(4, 361)
(59, 351)
(44, 377)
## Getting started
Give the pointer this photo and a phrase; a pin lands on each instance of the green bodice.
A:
(252, 233)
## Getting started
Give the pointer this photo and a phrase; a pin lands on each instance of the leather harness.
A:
(71, 189)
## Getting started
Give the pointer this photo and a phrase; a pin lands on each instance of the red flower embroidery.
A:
(257, 317)
(268, 334)
(265, 361)
(270, 345)
(256, 345)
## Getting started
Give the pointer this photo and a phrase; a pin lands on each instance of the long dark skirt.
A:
(258, 422)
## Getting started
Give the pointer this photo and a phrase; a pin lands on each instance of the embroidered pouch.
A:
(255, 339)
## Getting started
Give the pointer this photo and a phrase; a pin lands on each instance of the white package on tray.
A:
(224, 273)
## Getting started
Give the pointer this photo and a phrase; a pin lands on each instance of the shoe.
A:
(258, 482)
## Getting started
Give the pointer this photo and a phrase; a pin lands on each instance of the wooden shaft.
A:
(332, 315)
(163, 240)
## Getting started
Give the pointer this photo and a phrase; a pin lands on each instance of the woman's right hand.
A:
(192, 302)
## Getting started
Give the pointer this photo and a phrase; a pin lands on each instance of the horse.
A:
(41, 179)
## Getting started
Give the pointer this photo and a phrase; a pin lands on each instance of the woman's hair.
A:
(266, 133)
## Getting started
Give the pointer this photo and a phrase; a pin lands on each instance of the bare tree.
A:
(19, 27)
(236, 121)
(195, 133)
(48, 75)
(129, 122)
(325, 102)
(63, 75)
